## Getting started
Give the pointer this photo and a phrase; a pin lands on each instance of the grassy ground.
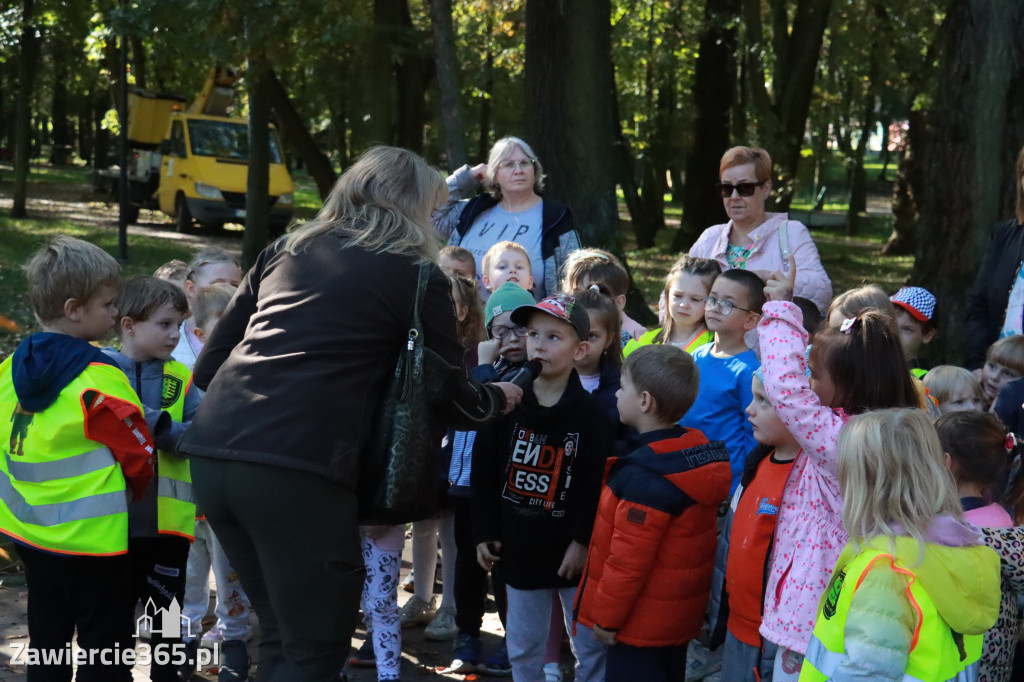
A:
(21, 237)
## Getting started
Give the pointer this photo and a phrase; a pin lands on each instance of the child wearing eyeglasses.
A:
(727, 365)
(500, 356)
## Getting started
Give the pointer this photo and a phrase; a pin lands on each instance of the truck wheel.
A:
(182, 217)
(131, 214)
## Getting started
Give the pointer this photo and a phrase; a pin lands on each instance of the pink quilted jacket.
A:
(809, 535)
(811, 279)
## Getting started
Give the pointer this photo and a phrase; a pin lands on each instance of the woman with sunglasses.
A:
(512, 209)
(754, 239)
(995, 304)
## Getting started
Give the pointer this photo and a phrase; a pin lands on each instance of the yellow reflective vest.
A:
(651, 337)
(60, 491)
(175, 504)
(936, 652)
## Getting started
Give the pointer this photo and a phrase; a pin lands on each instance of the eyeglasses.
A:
(500, 331)
(722, 306)
(745, 189)
(516, 164)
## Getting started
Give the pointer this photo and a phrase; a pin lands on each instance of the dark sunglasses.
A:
(745, 189)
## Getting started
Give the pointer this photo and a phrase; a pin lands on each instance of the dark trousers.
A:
(293, 539)
(652, 664)
(158, 574)
(89, 593)
(470, 578)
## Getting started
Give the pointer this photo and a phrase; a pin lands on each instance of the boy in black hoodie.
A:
(76, 449)
(536, 480)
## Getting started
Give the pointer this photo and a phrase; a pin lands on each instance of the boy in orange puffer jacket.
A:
(652, 550)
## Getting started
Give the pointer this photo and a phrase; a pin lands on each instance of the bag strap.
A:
(405, 368)
(784, 244)
(421, 290)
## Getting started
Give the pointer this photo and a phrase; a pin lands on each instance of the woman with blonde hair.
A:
(915, 589)
(511, 209)
(294, 373)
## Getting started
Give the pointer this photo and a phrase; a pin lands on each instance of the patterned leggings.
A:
(382, 555)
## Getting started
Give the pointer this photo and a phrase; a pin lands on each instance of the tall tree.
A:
(973, 143)
(569, 94)
(26, 85)
(782, 104)
(716, 65)
(448, 81)
(257, 191)
(296, 135)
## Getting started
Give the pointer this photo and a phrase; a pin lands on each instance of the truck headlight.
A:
(286, 199)
(208, 192)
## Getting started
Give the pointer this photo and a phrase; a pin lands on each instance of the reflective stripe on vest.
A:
(826, 662)
(934, 654)
(59, 491)
(69, 467)
(175, 503)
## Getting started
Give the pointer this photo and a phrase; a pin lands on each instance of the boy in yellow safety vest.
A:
(75, 450)
(162, 523)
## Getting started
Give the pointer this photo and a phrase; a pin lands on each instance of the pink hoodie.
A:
(811, 279)
(809, 535)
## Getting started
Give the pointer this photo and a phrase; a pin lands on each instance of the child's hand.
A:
(606, 637)
(487, 554)
(487, 351)
(780, 286)
(574, 560)
(479, 172)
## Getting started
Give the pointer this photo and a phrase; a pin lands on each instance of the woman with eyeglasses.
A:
(995, 304)
(512, 209)
(754, 239)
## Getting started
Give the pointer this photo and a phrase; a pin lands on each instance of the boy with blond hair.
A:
(535, 483)
(506, 262)
(76, 450)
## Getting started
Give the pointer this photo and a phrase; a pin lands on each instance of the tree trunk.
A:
(413, 73)
(903, 240)
(257, 191)
(448, 82)
(296, 135)
(716, 64)
(973, 147)
(569, 89)
(23, 133)
(794, 100)
(62, 138)
(377, 57)
(139, 62)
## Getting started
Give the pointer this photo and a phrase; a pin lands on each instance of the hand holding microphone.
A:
(514, 385)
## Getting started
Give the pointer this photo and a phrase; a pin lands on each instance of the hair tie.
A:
(847, 326)
(1011, 442)
(594, 287)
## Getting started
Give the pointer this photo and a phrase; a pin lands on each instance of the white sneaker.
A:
(212, 639)
(552, 673)
(443, 627)
(417, 612)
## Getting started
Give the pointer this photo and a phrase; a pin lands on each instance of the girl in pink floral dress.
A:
(855, 367)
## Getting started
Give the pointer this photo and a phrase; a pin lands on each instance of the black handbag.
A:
(399, 477)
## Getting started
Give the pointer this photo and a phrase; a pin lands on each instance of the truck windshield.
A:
(226, 140)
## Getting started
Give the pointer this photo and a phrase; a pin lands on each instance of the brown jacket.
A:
(297, 364)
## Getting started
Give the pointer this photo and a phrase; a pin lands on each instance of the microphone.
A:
(525, 375)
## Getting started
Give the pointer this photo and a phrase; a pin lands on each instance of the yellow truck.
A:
(193, 163)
